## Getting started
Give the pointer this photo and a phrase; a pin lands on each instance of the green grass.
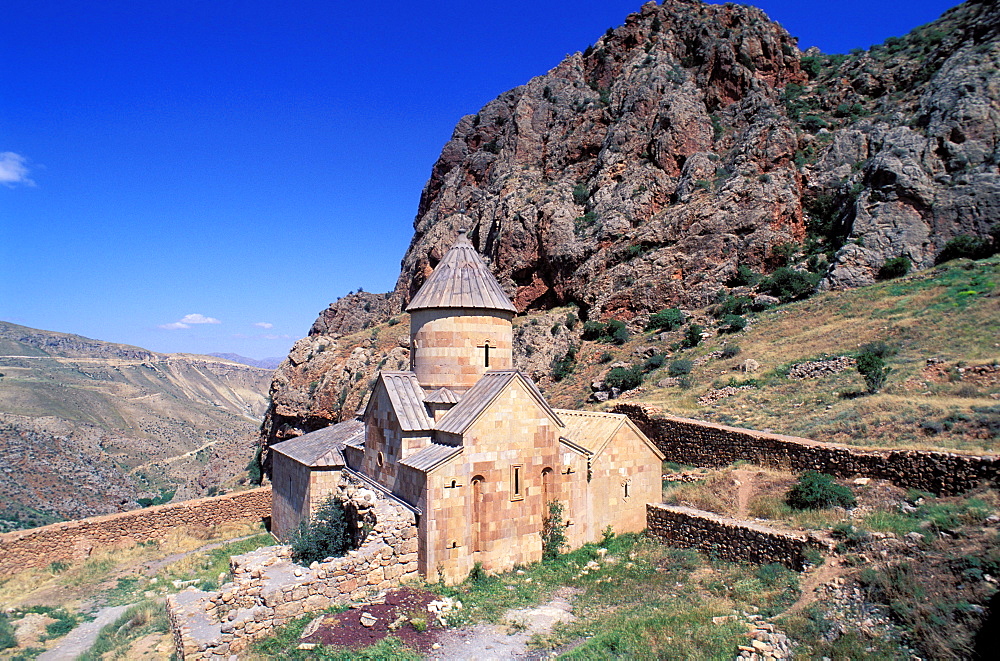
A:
(139, 620)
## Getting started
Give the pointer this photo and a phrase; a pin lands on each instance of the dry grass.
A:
(930, 314)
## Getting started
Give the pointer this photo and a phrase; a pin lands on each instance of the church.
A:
(469, 444)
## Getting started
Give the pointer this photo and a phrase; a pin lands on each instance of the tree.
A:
(553, 531)
(871, 365)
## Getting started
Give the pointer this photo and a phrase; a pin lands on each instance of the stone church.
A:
(469, 444)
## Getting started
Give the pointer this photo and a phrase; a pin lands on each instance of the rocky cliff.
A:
(688, 142)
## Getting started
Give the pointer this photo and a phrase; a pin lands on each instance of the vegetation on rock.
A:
(323, 536)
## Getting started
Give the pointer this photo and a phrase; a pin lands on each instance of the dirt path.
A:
(495, 641)
(812, 581)
(82, 638)
(744, 491)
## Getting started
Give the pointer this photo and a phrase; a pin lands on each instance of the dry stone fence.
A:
(75, 540)
(706, 444)
(267, 589)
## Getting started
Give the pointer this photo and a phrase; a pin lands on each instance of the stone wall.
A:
(700, 443)
(74, 540)
(267, 589)
(725, 538)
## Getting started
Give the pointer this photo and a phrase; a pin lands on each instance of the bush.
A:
(744, 277)
(624, 378)
(581, 194)
(680, 367)
(592, 330)
(666, 320)
(730, 352)
(692, 336)
(563, 367)
(553, 532)
(653, 362)
(7, 638)
(790, 285)
(254, 471)
(818, 491)
(871, 366)
(896, 267)
(733, 323)
(571, 320)
(613, 332)
(732, 305)
(618, 332)
(324, 536)
(963, 245)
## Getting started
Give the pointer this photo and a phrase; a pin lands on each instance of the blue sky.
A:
(208, 176)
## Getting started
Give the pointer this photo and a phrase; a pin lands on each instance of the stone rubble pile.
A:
(765, 643)
(712, 396)
(817, 368)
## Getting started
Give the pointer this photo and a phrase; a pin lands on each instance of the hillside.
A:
(688, 147)
(88, 427)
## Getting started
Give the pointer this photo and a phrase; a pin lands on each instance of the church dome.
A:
(461, 280)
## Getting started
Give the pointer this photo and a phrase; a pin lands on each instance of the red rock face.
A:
(697, 138)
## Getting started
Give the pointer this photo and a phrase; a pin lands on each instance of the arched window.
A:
(547, 489)
(477, 499)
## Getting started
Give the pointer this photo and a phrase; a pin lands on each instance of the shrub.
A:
(563, 367)
(744, 277)
(571, 320)
(254, 471)
(896, 267)
(324, 536)
(624, 378)
(733, 323)
(730, 351)
(963, 245)
(732, 305)
(871, 366)
(592, 330)
(581, 194)
(7, 638)
(680, 367)
(605, 358)
(818, 491)
(553, 532)
(790, 285)
(617, 331)
(692, 336)
(653, 362)
(667, 320)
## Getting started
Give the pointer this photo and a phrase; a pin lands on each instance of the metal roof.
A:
(461, 280)
(407, 398)
(431, 457)
(442, 396)
(477, 398)
(322, 448)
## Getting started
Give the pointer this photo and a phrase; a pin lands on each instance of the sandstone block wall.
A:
(706, 444)
(724, 538)
(267, 590)
(74, 540)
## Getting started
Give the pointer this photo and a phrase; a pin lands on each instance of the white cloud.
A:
(264, 324)
(13, 170)
(199, 319)
(189, 319)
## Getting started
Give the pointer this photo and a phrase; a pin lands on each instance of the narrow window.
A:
(486, 352)
(477, 496)
(515, 482)
(546, 486)
(626, 489)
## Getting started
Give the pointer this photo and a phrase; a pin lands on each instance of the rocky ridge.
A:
(691, 141)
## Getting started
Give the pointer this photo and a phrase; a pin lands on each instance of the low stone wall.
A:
(267, 589)
(706, 444)
(725, 538)
(74, 540)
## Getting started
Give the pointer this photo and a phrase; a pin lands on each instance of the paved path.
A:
(82, 638)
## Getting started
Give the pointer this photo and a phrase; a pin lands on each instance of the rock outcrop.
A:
(696, 139)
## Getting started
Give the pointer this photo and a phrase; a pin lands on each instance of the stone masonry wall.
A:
(74, 540)
(706, 444)
(725, 538)
(267, 589)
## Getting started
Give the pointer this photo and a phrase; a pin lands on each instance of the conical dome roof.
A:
(461, 280)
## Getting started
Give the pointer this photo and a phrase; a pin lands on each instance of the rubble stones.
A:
(817, 368)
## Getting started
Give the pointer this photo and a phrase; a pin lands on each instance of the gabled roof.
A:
(461, 280)
(407, 400)
(593, 430)
(322, 448)
(431, 457)
(477, 398)
(442, 396)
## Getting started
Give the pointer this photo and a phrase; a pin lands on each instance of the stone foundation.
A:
(75, 540)
(706, 444)
(725, 538)
(267, 589)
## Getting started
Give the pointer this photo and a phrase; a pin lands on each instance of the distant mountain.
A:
(263, 363)
(88, 427)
